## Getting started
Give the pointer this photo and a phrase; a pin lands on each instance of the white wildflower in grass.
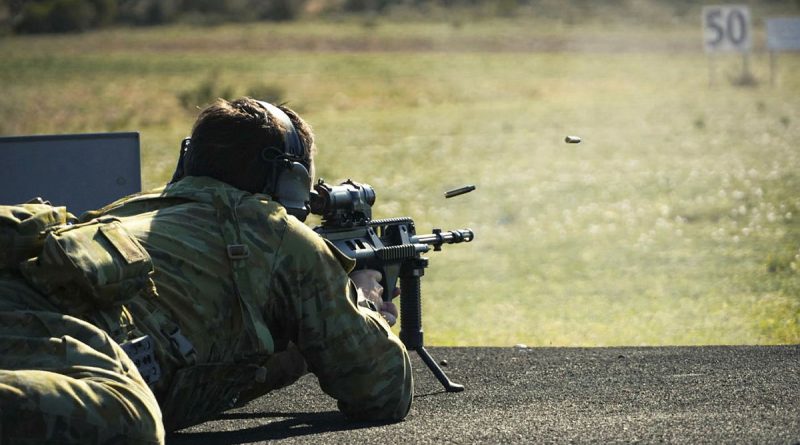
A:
(771, 217)
(743, 209)
(722, 193)
(664, 210)
(788, 216)
(737, 194)
(746, 231)
(735, 238)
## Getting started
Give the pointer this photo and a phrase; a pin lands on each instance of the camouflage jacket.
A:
(237, 279)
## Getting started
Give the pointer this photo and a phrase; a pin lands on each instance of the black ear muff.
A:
(292, 189)
(292, 182)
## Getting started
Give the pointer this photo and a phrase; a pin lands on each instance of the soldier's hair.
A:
(228, 138)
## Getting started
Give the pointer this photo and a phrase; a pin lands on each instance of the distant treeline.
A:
(55, 16)
(60, 16)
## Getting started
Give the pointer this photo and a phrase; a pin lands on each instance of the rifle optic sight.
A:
(344, 205)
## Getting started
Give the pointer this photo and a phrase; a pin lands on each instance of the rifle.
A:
(390, 246)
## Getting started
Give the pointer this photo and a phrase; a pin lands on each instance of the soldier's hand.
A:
(368, 282)
(389, 312)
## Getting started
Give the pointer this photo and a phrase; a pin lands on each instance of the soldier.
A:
(165, 308)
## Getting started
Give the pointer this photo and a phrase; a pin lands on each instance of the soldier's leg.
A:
(64, 380)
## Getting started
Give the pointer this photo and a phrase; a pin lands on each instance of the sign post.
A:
(726, 28)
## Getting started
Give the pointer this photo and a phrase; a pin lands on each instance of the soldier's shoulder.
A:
(299, 233)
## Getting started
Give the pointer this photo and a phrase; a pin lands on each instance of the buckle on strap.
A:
(182, 345)
(141, 351)
(238, 251)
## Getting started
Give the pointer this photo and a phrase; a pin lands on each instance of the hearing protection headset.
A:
(289, 182)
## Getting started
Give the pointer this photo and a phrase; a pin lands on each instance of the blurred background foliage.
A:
(58, 16)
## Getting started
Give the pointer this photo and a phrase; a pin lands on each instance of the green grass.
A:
(675, 221)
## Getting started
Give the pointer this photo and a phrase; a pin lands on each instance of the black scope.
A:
(343, 205)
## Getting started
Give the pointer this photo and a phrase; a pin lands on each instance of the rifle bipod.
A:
(448, 384)
(411, 319)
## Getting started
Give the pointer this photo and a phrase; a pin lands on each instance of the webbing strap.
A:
(224, 200)
(229, 226)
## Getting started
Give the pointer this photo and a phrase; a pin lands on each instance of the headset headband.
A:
(291, 140)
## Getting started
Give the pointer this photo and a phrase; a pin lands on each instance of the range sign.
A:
(726, 28)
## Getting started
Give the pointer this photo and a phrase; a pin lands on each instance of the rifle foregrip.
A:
(410, 313)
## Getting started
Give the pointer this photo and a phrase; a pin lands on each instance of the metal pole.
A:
(711, 70)
(746, 76)
(773, 66)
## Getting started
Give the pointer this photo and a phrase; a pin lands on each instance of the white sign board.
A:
(783, 34)
(726, 28)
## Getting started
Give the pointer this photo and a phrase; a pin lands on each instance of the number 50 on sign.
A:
(726, 28)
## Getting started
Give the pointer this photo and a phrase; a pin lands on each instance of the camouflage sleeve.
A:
(351, 350)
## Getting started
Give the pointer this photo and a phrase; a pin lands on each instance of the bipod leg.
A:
(448, 384)
(411, 319)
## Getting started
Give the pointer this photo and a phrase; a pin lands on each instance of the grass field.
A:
(675, 221)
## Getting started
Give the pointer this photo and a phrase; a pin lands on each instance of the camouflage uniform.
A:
(242, 298)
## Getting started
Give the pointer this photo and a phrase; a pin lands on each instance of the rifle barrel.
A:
(438, 237)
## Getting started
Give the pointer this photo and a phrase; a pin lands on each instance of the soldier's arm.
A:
(352, 351)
